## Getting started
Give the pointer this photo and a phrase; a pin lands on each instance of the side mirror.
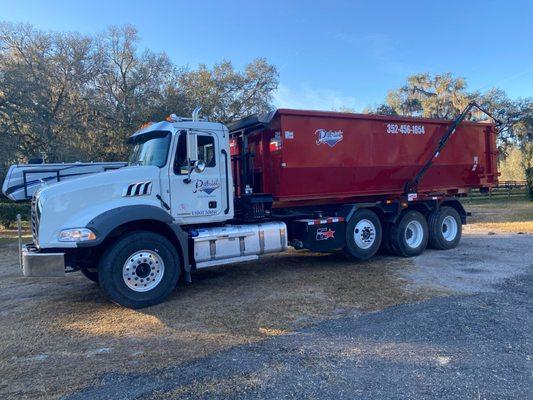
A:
(199, 166)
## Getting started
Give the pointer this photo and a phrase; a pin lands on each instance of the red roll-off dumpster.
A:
(313, 157)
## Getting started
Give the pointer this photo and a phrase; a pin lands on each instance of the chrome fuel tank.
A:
(235, 243)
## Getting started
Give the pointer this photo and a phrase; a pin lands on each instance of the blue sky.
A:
(330, 54)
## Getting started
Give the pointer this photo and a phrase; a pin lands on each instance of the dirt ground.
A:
(58, 335)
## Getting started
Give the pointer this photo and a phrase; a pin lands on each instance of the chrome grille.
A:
(35, 216)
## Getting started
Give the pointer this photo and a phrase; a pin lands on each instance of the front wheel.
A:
(363, 235)
(139, 270)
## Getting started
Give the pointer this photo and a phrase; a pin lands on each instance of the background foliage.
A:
(68, 97)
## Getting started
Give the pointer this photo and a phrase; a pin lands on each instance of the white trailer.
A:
(23, 180)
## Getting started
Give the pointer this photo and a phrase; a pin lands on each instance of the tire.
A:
(408, 237)
(363, 235)
(139, 270)
(90, 273)
(445, 228)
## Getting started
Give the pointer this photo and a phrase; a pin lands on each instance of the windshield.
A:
(150, 149)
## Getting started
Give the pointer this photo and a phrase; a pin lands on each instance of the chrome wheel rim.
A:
(414, 234)
(449, 228)
(143, 270)
(364, 234)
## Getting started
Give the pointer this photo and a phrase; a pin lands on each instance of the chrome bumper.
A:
(38, 264)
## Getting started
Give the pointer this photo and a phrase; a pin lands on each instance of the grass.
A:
(514, 216)
(9, 236)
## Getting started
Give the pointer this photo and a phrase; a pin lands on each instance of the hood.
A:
(100, 182)
(75, 203)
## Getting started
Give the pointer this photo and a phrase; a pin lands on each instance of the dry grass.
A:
(520, 227)
(57, 328)
(501, 216)
(10, 236)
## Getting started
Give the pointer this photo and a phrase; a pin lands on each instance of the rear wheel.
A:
(445, 228)
(409, 235)
(363, 235)
(139, 270)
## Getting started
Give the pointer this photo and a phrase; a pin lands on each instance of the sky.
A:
(330, 54)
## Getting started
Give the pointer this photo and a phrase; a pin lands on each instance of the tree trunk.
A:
(529, 180)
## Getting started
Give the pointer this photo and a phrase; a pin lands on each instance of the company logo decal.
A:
(325, 234)
(331, 138)
(207, 186)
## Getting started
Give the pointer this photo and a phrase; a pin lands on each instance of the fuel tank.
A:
(235, 243)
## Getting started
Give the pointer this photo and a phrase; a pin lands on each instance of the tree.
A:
(385, 109)
(437, 96)
(511, 167)
(226, 94)
(78, 97)
(41, 99)
(523, 131)
(129, 90)
(507, 111)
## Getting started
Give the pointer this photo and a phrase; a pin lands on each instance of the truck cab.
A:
(193, 162)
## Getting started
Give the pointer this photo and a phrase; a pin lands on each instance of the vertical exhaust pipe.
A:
(196, 113)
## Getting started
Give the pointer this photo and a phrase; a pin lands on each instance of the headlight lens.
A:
(76, 235)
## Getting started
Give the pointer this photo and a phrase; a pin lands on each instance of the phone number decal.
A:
(405, 129)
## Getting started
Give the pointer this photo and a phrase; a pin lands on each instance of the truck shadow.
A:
(282, 292)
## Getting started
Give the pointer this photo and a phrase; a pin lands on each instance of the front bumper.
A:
(40, 264)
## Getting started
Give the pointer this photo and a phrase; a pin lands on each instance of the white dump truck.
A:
(196, 194)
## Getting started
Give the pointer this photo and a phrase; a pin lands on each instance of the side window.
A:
(206, 150)
(180, 161)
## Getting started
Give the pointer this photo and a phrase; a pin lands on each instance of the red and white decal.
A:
(325, 234)
(275, 142)
(476, 162)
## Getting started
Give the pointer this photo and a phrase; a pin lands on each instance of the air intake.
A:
(138, 189)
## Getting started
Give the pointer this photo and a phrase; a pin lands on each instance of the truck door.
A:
(196, 197)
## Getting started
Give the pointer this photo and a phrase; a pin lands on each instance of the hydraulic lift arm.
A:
(412, 185)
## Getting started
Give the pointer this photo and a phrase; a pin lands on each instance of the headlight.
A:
(76, 235)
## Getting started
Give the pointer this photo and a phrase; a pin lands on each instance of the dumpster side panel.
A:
(308, 157)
